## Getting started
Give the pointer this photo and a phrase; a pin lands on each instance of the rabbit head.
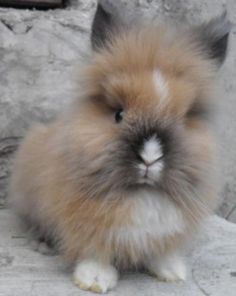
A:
(145, 104)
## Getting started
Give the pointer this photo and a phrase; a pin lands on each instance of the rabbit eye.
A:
(119, 115)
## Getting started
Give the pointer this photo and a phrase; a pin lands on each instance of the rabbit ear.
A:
(103, 26)
(213, 37)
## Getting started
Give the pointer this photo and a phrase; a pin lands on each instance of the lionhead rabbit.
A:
(125, 177)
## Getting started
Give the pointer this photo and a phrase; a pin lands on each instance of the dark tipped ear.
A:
(104, 23)
(214, 37)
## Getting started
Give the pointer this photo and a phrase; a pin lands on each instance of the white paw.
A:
(171, 268)
(94, 276)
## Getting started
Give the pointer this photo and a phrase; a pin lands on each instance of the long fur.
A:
(76, 178)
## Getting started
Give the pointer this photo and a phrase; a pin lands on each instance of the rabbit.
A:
(126, 176)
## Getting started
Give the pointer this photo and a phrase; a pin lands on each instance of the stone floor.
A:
(212, 267)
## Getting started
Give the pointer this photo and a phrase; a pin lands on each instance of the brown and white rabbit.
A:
(125, 177)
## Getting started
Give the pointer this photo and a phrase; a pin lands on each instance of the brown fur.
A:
(56, 175)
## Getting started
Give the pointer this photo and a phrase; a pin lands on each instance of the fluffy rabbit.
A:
(125, 176)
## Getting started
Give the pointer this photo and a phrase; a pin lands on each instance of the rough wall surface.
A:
(38, 53)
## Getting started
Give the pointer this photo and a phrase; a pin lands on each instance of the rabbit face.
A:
(136, 118)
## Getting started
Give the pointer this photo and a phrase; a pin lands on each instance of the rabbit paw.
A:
(42, 247)
(169, 268)
(94, 276)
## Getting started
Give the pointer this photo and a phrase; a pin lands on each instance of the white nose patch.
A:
(151, 150)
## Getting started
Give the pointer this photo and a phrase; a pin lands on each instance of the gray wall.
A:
(38, 54)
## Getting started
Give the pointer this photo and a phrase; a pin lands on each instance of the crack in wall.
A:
(15, 27)
(32, 4)
(8, 145)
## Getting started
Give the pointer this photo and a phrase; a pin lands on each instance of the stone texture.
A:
(38, 51)
(38, 54)
(212, 267)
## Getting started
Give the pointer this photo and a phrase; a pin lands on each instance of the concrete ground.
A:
(24, 272)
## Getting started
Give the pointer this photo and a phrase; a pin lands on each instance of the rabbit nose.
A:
(151, 151)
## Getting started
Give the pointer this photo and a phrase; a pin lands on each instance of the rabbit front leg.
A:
(169, 267)
(92, 275)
